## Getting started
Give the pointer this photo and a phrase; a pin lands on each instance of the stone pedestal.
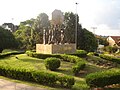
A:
(56, 49)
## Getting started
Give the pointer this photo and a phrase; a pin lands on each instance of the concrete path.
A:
(9, 85)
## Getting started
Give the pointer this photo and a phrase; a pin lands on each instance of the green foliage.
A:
(7, 40)
(30, 31)
(102, 40)
(69, 20)
(41, 77)
(110, 49)
(78, 66)
(41, 56)
(66, 80)
(86, 40)
(64, 57)
(80, 53)
(110, 58)
(25, 35)
(52, 63)
(101, 79)
(3, 55)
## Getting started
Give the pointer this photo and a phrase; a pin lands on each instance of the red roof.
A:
(116, 39)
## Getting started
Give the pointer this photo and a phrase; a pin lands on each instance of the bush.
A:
(41, 56)
(101, 79)
(52, 63)
(80, 53)
(110, 58)
(41, 77)
(78, 66)
(3, 55)
(64, 57)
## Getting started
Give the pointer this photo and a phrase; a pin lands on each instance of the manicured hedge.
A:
(110, 58)
(41, 56)
(64, 57)
(78, 66)
(79, 62)
(52, 63)
(80, 53)
(41, 77)
(3, 55)
(104, 78)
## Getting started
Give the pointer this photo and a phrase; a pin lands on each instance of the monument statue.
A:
(56, 31)
(54, 37)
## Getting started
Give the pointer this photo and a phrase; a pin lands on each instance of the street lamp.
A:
(94, 28)
(76, 25)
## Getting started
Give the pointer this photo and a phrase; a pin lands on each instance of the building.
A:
(114, 41)
(10, 26)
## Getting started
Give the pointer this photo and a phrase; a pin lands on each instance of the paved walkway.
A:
(9, 85)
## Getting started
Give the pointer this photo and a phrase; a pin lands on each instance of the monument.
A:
(53, 39)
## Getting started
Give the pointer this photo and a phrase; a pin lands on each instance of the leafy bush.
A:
(101, 79)
(80, 53)
(70, 58)
(3, 55)
(41, 56)
(41, 77)
(78, 66)
(64, 57)
(110, 58)
(52, 63)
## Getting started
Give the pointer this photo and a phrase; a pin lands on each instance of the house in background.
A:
(114, 41)
(10, 26)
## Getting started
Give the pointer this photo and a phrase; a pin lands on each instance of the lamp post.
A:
(94, 28)
(76, 25)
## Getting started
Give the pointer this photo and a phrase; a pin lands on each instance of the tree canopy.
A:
(30, 32)
(86, 40)
(7, 40)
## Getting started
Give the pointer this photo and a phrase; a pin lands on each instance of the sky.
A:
(104, 15)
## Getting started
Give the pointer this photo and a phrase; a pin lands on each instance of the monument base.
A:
(56, 49)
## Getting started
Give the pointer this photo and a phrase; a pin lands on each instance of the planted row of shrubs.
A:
(78, 66)
(103, 78)
(79, 62)
(3, 55)
(110, 58)
(79, 53)
(40, 77)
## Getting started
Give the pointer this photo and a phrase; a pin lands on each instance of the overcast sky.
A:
(102, 14)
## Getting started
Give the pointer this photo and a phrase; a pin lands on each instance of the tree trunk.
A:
(1, 49)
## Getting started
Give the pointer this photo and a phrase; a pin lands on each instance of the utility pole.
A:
(76, 25)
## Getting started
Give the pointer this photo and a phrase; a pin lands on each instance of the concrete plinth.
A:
(56, 49)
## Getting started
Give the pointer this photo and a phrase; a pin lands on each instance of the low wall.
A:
(56, 49)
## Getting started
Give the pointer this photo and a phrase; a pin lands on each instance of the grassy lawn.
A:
(27, 62)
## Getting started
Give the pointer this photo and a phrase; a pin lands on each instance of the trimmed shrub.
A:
(80, 53)
(41, 77)
(66, 80)
(3, 55)
(64, 57)
(78, 66)
(101, 79)
(70, 58)
(110, 58)
(41, 56)
(52, 63)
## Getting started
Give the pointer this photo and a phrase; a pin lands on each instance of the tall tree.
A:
(41, 22)
(24, 34)
(30, 31)
(86, 40)
(7, 40)
(70, 22)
